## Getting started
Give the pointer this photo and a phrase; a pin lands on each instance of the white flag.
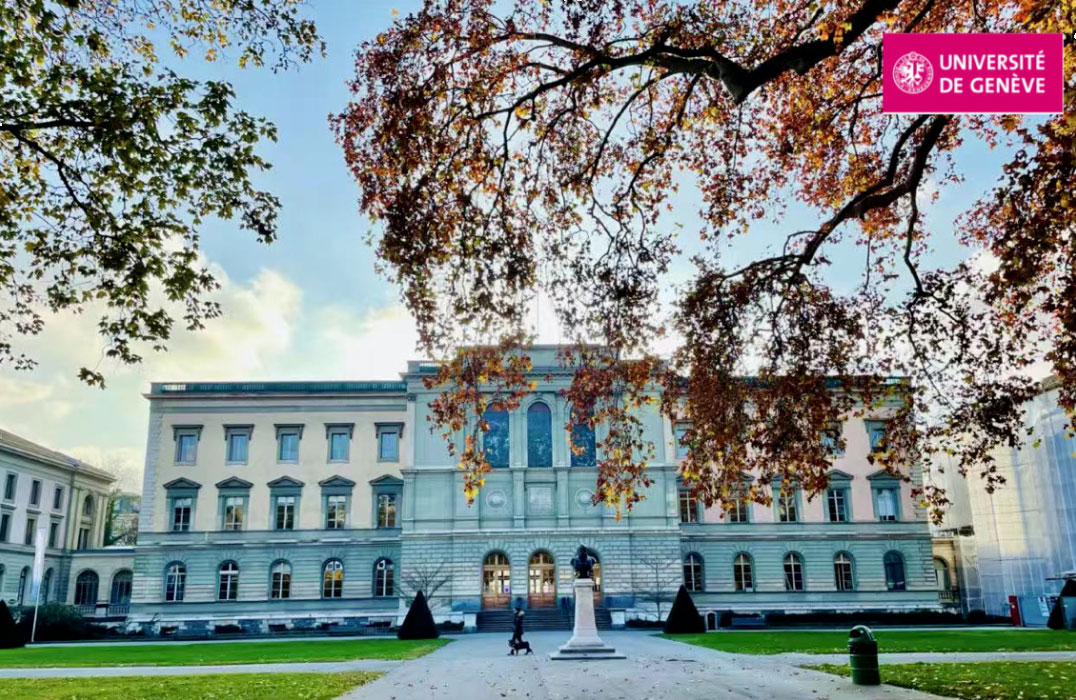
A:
(39, 563)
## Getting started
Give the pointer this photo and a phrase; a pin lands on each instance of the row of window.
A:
(288, 440)
(844, 579)
(53, 539)
(885, 494)
(87, 582)
(876, 434)
(284, 513)
(11, 482)
(332, 580)
(496, 440)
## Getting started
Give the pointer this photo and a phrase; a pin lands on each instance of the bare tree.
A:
(427, 577)
(659, 583)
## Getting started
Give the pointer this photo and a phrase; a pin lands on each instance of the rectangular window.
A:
(837, 505)
(339, 442)
(738, 509)
(288, 445)
(830, 440)
(679, 431)
(876, 430)
(787, 511)
(335, 512)
(388, 446)
(5, 525)
(285, 513)
(887, 503)
(83, 538)
(9, 487)
(689, 508)
(233, 512)
(35, 492)
(386, 510)
(31, 531)
(238, 446)
(58, 498)
(54, 532)
(181, 514)
(186, 447)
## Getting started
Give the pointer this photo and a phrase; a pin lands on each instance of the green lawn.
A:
(176, 654)
(836, 642)
(240, 686)
(1000, 680)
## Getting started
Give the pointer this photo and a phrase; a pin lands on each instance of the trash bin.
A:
(863, 656)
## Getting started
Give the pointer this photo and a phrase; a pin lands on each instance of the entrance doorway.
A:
(541, 581)
(496, 581)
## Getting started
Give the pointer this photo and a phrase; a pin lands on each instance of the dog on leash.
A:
(519, 646)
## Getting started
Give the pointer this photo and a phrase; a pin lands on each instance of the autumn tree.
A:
(110, 161)
(545, 147)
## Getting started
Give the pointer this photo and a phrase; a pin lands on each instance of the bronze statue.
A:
(583, 564)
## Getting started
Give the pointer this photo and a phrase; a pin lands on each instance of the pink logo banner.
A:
(973, 73)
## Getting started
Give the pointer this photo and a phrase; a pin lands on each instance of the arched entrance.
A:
(496, 581)
(541, 581)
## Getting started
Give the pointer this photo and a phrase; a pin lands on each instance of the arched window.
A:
(332, 579)
(24, 582)
(793, 572)
(87, 506)
(280, 580)
(175, 581)
(941, 575)
(384, 584)
(121, 588)
(495, 441)
(46, 584)
(496, 580)
(693, 572)
(894, 571)
(743, 574)
(539, 436)
(86, 588)
(582, 447)
(228, 581)
(541, 579)
(843, 576)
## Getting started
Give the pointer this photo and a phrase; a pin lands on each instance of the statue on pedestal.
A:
(585, 643)
(583, 563)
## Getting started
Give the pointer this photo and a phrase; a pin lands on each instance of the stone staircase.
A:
(537, 619)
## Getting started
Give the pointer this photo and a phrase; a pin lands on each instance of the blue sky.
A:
(310, 305)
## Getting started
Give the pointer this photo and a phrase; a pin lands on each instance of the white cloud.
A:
(268, 331)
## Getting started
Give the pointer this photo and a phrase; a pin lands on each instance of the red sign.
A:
(973, 73)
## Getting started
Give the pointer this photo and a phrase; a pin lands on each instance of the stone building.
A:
(274, 505)
(43, 488)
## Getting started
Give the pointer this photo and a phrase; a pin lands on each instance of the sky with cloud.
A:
(309, 306)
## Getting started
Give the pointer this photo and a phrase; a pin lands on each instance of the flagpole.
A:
(39, 567)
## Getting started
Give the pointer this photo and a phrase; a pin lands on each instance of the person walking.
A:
(517, 625)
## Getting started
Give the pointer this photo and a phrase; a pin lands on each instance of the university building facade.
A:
(285, 505)
(69, 500)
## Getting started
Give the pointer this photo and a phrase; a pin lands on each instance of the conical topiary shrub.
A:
(10, 634)
(418, 624)
(1056, 621)
(684, 617)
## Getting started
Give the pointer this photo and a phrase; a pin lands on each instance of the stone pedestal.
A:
(585, 644)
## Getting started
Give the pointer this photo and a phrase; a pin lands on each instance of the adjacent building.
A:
(44, 489)
(277, 505)
(1010, 549)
